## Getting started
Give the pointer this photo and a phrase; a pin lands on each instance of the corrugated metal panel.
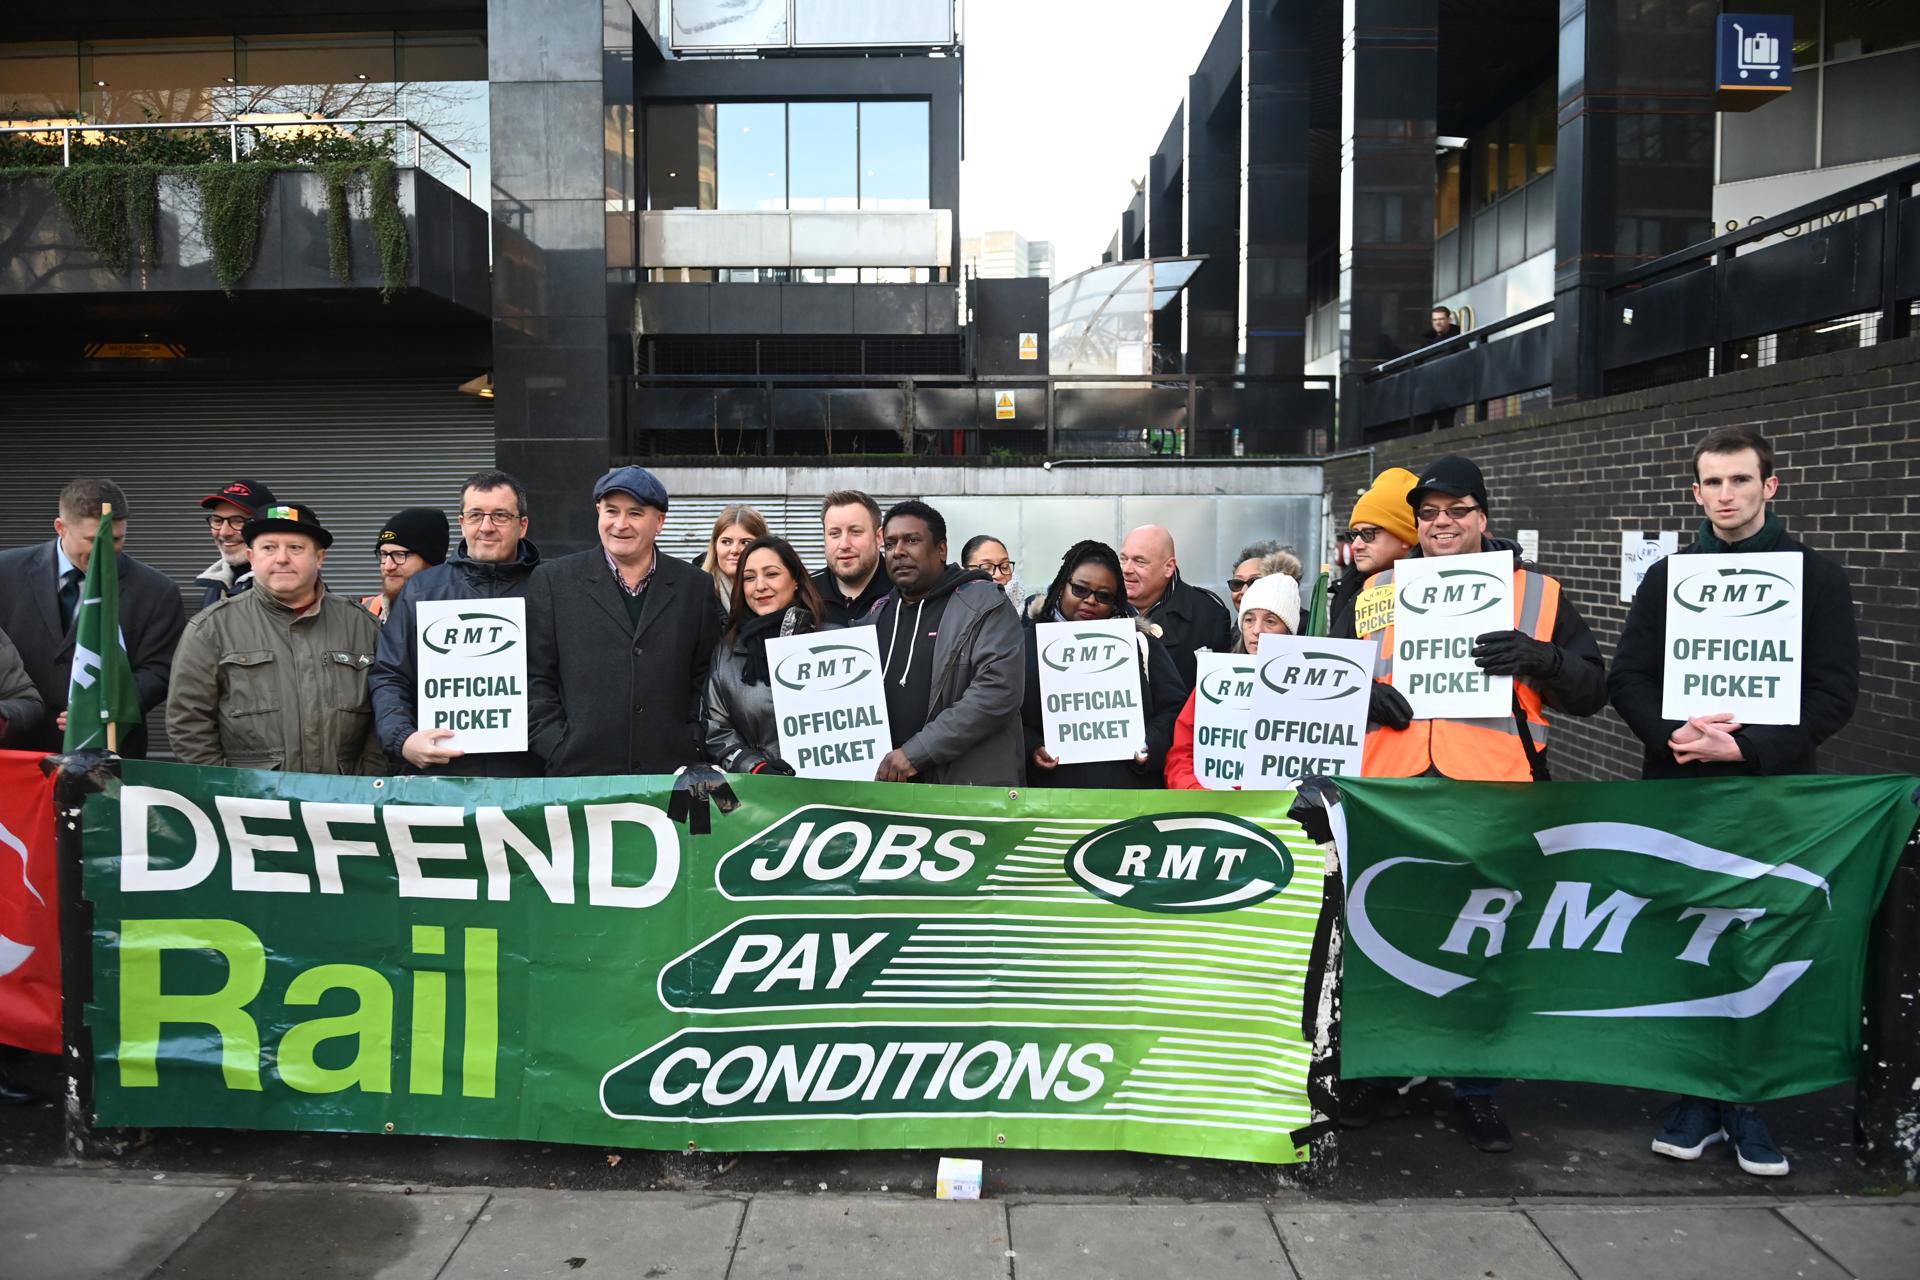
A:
(358, 450)
(690, 524)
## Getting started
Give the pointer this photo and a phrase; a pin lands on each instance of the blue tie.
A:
(70, 595)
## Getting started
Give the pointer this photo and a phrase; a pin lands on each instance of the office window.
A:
(39, 82)
(750, 155)
(893, 155)
(823, 155)
(1446, 195)
(1487, 162)
(1859, 27)
(680, 150)
(1543, 120)
(132, 81)
(1513, 128)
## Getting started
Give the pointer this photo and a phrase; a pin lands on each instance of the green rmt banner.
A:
(835, 965)
(103, 699)
(1707, 937)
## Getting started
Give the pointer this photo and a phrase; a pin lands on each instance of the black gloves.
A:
(776, 766)
(1512, 653)
(1388, 707)
(693, 787)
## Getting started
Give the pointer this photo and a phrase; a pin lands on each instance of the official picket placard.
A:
(1090, 704)
(1309, 709)
(1733, 637)
(1372, 610)
(1439, 606)
(472, 665)
(1639, 553)
(1697, 936)
(1223, 696)
(830, 703)
(829, 965)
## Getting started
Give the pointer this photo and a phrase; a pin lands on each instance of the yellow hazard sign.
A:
(1029, 346)
(1003, 406)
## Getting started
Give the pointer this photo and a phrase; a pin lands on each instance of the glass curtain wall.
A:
(779, 156)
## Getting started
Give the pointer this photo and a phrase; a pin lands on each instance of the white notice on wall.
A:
(1223, 692)
(1639, 553)
(830, 704)
(471, 660)
(1529, 540)
(1439, 606)
(1309, 710)
(1090, 704)
(1733, 637)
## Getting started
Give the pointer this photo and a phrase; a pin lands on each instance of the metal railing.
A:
(232, 129)
(1470, 368)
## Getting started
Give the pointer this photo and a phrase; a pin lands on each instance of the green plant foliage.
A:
(143, 207)
(339, 176)
(389, 227)
(95, 201)
(233, 204)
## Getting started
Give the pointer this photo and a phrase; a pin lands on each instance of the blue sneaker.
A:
(1690, 1126)
(1753, 1145)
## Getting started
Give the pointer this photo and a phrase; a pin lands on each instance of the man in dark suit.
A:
(621, 640)
(40, 595)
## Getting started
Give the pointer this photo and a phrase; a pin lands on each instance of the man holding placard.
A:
(1686, 610)
(1479, 695)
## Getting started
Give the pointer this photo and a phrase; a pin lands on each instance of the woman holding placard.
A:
(1088, 589)
(1271, 606)
(772, 596)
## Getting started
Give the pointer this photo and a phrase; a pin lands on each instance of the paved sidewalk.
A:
(77, 1223)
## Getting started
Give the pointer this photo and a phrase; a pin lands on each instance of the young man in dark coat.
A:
(621, 641)
(495, 559)
(40, 593)
(1733, 482)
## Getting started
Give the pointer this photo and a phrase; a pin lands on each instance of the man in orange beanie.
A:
(1380, 532)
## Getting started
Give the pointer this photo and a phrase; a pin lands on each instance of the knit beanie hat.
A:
(421, 530)
(1277, 594)
(1385, 504)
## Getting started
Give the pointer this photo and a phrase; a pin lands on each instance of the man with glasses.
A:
(1555, 663)
(493, 559)
(412, 542)
(228, 511)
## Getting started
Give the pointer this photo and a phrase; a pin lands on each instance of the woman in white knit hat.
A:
(1268, 607)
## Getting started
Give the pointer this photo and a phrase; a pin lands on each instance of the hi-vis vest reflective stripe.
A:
(1477, 750)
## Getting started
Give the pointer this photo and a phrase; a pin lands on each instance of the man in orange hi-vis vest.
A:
(1548, 651)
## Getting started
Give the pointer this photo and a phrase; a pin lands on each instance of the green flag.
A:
(103, 699)
(1317, 620)
(1705, 936)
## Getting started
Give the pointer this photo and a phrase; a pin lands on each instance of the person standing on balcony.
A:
(494, 559)
(851, 586)
(953, 660)
(227, 512)
(1733, 481)
(733, 529)
(1190, 618)
(621, 643)
(1443, 325)
(415, 539)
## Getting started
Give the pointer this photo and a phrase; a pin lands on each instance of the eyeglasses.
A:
(501, 518)
(392, 555)
(1241, 584)
(1427, 515)
(1366, 535)
(996, 568)
(226, 522)
(1083, 592)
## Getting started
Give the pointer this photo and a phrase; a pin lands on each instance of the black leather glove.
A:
(1513, 653)
(1388, 707)
(693, 788)
(777, 767)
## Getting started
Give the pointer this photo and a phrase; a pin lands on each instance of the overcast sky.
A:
(1064, 101)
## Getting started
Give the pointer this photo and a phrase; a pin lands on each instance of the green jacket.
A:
(257, 687)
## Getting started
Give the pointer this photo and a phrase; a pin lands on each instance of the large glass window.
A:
(750, 155)
(823, 155)
(1446, 202)
(39, 82)
(893, 155)
(680, 147)
(129, 81)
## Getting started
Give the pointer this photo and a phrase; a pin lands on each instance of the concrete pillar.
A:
(1273, 186)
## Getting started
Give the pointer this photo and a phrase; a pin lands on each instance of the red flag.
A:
(29, 907)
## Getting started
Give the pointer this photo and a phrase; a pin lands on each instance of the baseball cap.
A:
(248, 495)
(1453, 475)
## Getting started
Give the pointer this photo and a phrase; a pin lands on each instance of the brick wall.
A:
(1846, 431)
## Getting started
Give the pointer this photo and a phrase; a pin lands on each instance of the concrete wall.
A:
(1846, 429)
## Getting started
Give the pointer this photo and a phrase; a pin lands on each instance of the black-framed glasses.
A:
(996, 568)
(1365, 534)
(226, 522)
(1081, 591)
(497, 518)
(1241, 584)
(1427, 515)
(394, 556)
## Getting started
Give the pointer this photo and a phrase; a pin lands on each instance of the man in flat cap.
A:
(228, 509)
(621, 639)
(276, 677)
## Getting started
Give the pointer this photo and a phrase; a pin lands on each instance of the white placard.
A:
(1223, 693)
(471, 664)
(1309, 710)
(1439, 606)
(1733, 637)
(1529, 540)
(830, 703)
(1639, 553)
(1090, 705)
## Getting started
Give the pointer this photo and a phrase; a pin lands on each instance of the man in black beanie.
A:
(413, 540)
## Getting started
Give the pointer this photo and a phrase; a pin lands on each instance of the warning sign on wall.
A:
(1029, 346)
(1003, 406)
